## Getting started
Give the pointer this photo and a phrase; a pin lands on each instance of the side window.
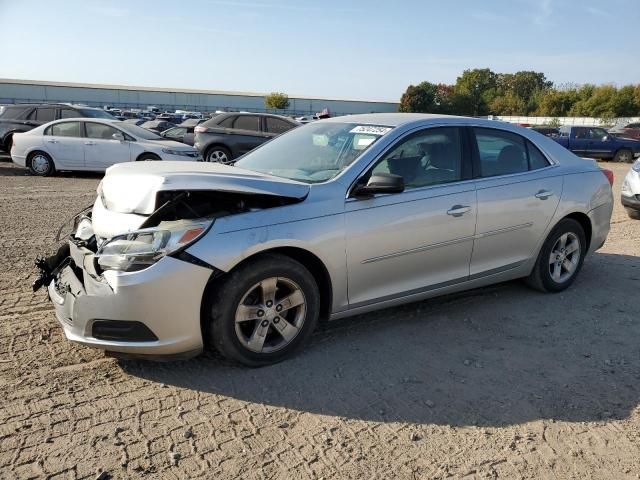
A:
(227, 122)
(45, 115)
(536, 158)
(100, 131)
(429, 157)
(277, 126)
(580, 133)
(69, 113)
(597, 133)
(64, 129)
(501, 152)
(247, 122)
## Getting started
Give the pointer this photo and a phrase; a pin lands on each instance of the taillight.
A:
(609, 174)
(200, 129)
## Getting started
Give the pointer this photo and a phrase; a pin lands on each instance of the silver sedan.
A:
(335, 218)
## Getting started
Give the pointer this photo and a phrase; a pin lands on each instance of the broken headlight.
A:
(138, 250)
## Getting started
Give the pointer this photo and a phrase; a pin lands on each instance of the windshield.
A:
(313, 153)
(96, 113)
(138, 131)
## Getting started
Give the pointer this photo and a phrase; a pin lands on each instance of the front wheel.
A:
(148, 157)
(263, 311)
(560, 258)
(624, 156)
(633, 214)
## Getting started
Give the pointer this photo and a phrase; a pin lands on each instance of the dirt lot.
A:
(502, 382)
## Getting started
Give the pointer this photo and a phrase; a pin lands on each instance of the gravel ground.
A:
(501, 382)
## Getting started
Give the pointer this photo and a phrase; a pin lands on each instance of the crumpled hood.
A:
(132, 187)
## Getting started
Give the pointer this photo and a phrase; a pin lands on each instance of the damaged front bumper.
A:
(155, 311)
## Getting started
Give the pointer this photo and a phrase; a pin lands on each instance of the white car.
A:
(92, 144)
(631, 191)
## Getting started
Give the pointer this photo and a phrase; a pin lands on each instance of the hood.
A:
(133, 187)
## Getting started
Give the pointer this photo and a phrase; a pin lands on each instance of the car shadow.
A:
(493, 356)
(8, 169)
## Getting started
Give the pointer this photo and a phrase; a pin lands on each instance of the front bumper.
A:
(166, 298)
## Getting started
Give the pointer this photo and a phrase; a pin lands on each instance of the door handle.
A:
(544, 194)
(458, 210)
(89, 143)
(52, 141)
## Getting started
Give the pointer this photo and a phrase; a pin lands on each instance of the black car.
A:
(24, 117)
(548, 131)
(135, 121)
(157, 126)
(229, 135)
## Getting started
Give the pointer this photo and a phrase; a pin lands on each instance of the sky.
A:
(327, 48)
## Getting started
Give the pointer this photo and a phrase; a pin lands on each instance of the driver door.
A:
(420, 239)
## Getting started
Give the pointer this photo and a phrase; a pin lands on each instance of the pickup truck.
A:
(595, 142)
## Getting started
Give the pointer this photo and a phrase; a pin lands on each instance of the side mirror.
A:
(118, 136)
(380, 183)
(605, 138)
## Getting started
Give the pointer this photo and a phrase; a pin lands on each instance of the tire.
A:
(218, 154)
(237, 340)
(146, 157)
(633, 214)
(8, 143)
(541, 277)
(623, 155)
(41, 164)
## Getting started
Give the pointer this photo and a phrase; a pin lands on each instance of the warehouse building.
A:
(170, 99)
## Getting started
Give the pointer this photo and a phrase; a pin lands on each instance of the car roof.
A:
(390, 119)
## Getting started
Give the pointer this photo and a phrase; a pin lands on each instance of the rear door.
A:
(247, 134)
(101, 149)
(274, 126)
(579, 141)
(518, 193)
(64, 142)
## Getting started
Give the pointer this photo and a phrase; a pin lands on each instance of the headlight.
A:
(184, 153)
(636, 166)
(138, 250)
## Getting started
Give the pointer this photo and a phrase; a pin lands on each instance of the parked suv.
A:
(230, 135)
(24, 117)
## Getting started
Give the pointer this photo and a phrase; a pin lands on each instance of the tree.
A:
(508, 104)
(475, 90)
(419, 98)
(279, 101)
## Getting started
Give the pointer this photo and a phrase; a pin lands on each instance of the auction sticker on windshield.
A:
(370, 129)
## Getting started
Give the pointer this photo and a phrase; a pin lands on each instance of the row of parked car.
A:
(84, 138)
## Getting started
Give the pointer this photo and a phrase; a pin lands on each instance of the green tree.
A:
(277, 100)
(419, 98)
(475, 90)
(508, 104)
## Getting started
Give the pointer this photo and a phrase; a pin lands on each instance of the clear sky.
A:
(334, 48)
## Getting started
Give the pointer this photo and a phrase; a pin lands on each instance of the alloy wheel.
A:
(564, 258)
(270, 315)
(217, 156)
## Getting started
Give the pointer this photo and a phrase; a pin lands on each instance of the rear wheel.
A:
(41, 164)
(623, 155)
(560, 258)
(218, 154)
(264, 311)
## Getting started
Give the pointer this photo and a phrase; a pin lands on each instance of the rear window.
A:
(65, 129)
(7, 111)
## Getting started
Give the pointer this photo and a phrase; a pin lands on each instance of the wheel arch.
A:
(146, 152)
(584, 221)
(31, 153)
(309, 260)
